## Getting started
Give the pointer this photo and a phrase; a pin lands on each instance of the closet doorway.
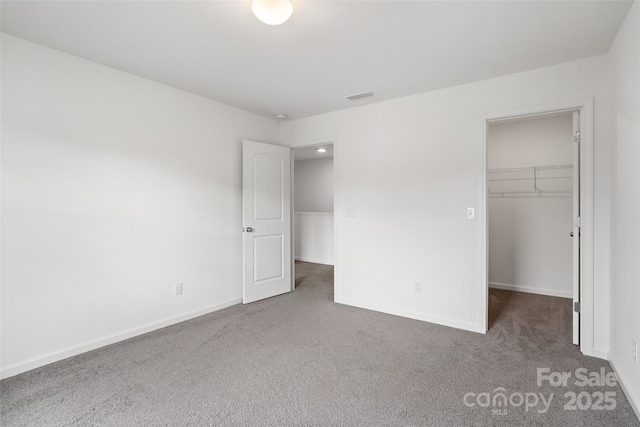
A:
(313, 214)
(530, 210)
(582, 310)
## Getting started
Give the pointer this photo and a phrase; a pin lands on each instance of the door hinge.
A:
(576, 136)
(576, 307)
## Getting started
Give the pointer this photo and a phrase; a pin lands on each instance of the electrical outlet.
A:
(634, 351)
(417, 287)
(178, 289)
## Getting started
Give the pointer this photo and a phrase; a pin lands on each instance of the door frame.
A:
(307, 144)
(585, 106)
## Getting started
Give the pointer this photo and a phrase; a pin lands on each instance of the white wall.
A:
(421, 170)
(546, 140)
(625, 212)
(114, 188)
(314, 237)
(313, 185)
(530, 249)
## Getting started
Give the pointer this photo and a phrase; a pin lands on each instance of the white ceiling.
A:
(327, 50)
(311, 153)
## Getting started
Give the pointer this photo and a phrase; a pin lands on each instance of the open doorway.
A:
(533, 196)
(583, 289)
(313, 216)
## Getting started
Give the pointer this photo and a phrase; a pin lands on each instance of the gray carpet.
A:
(300, 359)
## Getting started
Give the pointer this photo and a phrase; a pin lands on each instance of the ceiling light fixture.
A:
(322, 150)
(272, 12)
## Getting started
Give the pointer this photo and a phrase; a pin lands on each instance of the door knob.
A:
(571, 234)
(249, 230)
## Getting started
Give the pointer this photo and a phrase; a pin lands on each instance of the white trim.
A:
(483, 214)
(631, 398)
(530, 290)
(336, 204)
(315, 260)
(408, 314)
(36, 362)
(585, 105)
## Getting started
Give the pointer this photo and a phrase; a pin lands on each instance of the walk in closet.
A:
(530, 187)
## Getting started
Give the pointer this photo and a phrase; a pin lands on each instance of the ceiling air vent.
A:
(359, 95)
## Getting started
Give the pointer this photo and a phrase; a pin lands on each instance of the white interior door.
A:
(576, 228)
(266, 195)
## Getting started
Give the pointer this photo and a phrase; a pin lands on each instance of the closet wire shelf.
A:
(534, 180)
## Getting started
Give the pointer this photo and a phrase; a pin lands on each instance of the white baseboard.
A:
(633, 399)
(315, 260)
(411, 315)
(36, 362)
(530, 290)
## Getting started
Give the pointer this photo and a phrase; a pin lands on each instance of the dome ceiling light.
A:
(272, 12)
